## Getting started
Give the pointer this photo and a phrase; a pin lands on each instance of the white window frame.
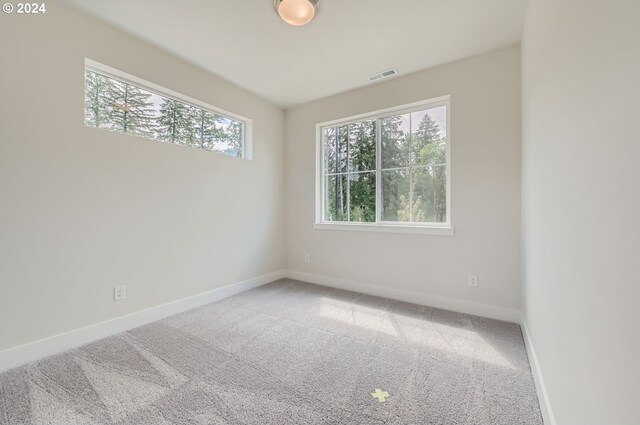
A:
(100, 68)
(430, 228)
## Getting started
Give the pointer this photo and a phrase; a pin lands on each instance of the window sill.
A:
(444, 230)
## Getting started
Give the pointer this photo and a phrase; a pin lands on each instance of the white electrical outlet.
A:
(119, 293)
(307, 258)
(473, 280)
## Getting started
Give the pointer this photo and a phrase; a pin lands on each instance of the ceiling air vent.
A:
(384, 74)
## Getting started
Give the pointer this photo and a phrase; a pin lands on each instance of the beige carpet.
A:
(286, 353)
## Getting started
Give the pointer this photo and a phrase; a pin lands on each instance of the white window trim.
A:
(108, 71)
(443, 229)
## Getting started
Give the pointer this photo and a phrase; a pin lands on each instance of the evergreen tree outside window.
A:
(126, 104)
(386, 169)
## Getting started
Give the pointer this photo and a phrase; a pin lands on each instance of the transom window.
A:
(123, 103)
(388, 168)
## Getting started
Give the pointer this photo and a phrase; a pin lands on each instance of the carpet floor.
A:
(286, 353)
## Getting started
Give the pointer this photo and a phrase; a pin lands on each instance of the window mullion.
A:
(348, 174)
(337, 169)
(378, 171)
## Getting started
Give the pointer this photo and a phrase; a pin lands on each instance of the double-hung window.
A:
(386, 171)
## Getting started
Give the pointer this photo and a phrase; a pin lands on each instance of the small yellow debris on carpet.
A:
(380, 395)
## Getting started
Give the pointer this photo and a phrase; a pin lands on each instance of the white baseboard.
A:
(461, 306)
(545, 406)
(23, 354)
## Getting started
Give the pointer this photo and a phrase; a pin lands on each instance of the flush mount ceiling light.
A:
(296, 12)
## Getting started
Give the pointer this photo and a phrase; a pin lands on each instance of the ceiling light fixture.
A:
(296, 12)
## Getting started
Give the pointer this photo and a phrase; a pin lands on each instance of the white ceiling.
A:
(245, 42)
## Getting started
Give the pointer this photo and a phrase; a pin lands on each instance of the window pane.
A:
(362, 197)
(342, 148)
(336, 201)
(415, 195)
(191, 131)
(175, 122)
(96, 104)
(395, 193)
(131, 109)
(235, 136)
(393, 133)
(329, 149)
(362, 146)
(428, 136)
(430, 185)
(205, 129)
(228, 136)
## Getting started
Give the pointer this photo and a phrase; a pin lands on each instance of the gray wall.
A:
(82, 210)
(581, 205)
(485, 166)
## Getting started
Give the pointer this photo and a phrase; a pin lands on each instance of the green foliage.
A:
(231, 135)
(362, 157)
(362, 146)
(434, 179)
(350, 150)
(410, 212)
(97, 96)
(423, 139)
(336, 198)
(362, 197)
(175, 124)
(392, 141)
(358, 214)
(130, 110)
(205, 129)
